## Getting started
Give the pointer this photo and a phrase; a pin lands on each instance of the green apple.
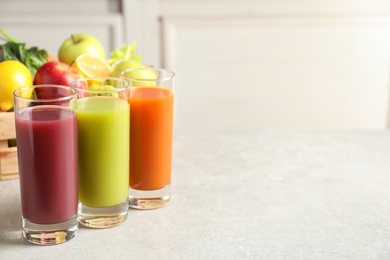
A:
(140, 76)
(124, 64)
(78, 44)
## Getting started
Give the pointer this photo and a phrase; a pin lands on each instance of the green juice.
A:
(103, 141)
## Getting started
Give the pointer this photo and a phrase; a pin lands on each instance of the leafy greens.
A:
(32, 57)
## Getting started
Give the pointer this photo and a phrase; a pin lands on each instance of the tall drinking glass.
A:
(103, 137)
(151, 131)
(46, 134)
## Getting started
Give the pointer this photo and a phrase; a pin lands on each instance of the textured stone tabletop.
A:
(246, 195)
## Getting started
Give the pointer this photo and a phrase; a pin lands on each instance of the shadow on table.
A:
(11, 223)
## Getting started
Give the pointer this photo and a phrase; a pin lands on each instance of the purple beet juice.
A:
(47, 154)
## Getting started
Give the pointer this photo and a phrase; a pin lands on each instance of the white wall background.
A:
(240, 63)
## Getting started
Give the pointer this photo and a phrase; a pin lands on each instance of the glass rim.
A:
(96, 91)
(36, 99)
(170, 73)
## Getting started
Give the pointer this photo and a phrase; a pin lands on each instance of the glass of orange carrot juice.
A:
(151, 129)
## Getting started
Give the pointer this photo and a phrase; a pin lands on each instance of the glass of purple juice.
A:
(46, 136)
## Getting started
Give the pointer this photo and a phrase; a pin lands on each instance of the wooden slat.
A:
(8, 161)
(9, 177)
(7, 126)
(8, 155)
(3, 143)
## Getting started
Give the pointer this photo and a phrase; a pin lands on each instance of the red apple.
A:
(55, 72)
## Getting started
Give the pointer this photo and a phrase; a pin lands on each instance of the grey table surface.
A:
(246, 194)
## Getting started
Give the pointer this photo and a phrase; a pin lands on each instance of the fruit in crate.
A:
(31, 57)
(125, 58)
(79, 44)
(144, 75)
(56, 72)
(91, 66)
(122, 65)
(126, 52)
(81, 55)
(13, 75)
(19, 64)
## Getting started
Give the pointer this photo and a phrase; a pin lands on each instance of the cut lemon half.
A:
(92, 66)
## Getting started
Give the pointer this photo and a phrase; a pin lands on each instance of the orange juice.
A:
(151, 123)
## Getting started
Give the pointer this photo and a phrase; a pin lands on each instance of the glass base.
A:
(50, 234)
(106, 217)
(149, 199)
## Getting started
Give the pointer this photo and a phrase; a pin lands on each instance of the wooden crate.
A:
(8, 155)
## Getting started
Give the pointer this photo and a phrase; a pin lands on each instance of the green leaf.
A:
(32, 57)
(125, 52)
(7, 36)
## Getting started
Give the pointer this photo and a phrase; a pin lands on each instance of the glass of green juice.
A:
(103, 150)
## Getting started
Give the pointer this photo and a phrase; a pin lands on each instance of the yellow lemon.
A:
(13, 75)
(92, 66)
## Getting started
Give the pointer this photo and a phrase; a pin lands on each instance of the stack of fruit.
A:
(79, 56)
